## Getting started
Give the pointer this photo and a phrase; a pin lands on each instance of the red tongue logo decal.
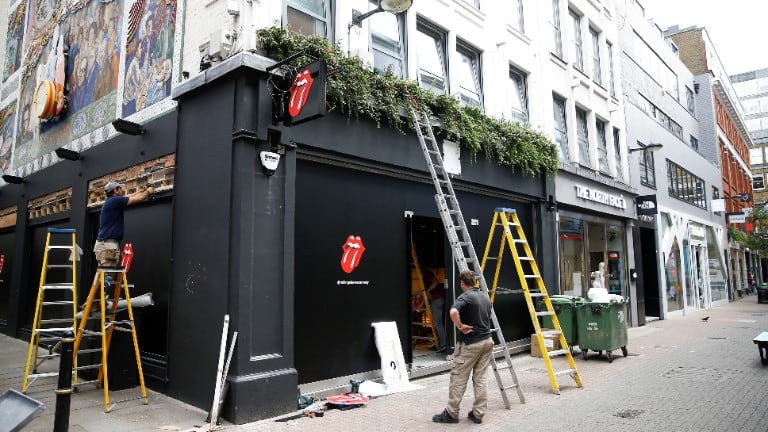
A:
(353, 251)
(300, 92)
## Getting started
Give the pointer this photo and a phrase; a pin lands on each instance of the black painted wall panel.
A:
(6, 252)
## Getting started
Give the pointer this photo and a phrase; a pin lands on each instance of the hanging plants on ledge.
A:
(356, 89)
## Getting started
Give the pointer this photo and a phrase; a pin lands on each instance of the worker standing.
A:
(111, 222)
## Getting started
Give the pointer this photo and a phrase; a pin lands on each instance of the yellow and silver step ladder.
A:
(105, 278)
(512, 235)
(56, 305)
(461, 243)
(420, 292)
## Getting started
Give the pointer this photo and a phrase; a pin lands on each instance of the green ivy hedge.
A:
(356, 89)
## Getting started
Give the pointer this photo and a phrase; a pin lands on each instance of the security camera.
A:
(269, 162)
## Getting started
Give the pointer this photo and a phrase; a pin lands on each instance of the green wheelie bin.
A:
(602, 327)
(762, 293)
(565, 309)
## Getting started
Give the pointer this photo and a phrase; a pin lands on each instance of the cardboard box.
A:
(552, 342)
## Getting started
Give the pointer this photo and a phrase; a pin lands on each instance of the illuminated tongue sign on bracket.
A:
(352, 253)
(305, 100)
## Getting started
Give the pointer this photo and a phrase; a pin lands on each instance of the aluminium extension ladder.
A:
(55, 316)
(512, 235)
(107, 313)
(460, 241)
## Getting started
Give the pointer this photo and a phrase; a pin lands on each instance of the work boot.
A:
(472, 417)
(444, 417)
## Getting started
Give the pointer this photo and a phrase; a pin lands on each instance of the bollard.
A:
(64, 390)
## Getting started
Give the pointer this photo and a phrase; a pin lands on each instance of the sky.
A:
(738, 28)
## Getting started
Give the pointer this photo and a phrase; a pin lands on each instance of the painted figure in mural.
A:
(111, 222)
(7, 145)
(471, 314)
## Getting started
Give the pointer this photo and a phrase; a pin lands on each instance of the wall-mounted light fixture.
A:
(649, 147)
(128, 127)
(551, 203)
(13, 179)
(391, 6)
(743, 197)
(68, 154)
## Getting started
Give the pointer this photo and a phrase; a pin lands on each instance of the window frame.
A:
(611, 70)
(685, 185)
(597, 64)
(647, 168)
(326, 20)
(440, 38)
(754, 181)
(519, 80)
(578, 42)
(559, 112)
(520, 24)
(381, 48)
(617, 153)
(602, 146)
(474, 55)
(558, 30)
(582, 137)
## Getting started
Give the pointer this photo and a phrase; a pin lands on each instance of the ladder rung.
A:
(538, 294)
(43, 374)
(88, 351)
(85, 382)
(55, 286)
(59, 303)
(60, 247)
(500, 368)
(511, 386)
(87, 367)
(56, 320)
(86, 332)
(54, 329)
(545, 313)
(525, 258)
(566, 372)
(59, 266)
(532, 276)
(423, 338)
(557, 352)
(519, 241)
(546, 333)
(50, 339)
(48, 356)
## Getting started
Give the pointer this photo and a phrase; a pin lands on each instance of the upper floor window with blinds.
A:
(308, 17)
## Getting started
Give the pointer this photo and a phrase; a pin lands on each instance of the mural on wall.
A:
(87, 35)
(149, 54)
(7, 119)
(13, 40)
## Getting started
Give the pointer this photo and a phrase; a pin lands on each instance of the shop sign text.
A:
(601, 197)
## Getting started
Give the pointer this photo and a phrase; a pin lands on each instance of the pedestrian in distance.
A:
(471, 314)
(111, 222)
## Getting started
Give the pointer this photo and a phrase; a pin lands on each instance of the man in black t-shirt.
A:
(111, 226)
(471, 314)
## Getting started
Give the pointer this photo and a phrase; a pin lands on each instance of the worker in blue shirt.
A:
(111, 225)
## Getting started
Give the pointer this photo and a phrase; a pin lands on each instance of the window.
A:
(578, 58)
(689, 100)
(694, 143)
(387, 42)
(647, 168)
(596, 66)
(308, 17)
(655, 67)
(430, 49)
(561, 129)
(617, 153)
(468, 75)
(684, 185)
(715, 193)
(602, 147)
(758, 183)
(611, 71)
(516, 15)
(557, 32)
(518, 96)
(475, 3)
(582, 134)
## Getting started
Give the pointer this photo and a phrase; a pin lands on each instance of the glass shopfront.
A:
(674, 280)
(584, 245)
(717, 283)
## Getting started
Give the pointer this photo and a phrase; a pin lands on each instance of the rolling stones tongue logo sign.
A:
(352, 253)
(300, 88)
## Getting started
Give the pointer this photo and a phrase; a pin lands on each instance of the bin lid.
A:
(564, 299)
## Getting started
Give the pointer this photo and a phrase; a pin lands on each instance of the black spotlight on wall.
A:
(13, 179)
(128, 127)
(68, 154)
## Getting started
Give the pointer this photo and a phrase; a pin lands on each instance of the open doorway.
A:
(430, 339)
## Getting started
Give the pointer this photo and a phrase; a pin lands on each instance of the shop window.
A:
(674, 281)
(430, 49)
(717, 272)
(308, 17)
(572, 277)
(596, 250)
(616, 257)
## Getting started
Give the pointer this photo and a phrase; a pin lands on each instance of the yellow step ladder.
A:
(55, 316)
(107, 314)
(512, 235)
(421, 293)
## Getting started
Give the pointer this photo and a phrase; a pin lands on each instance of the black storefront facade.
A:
(270, 250)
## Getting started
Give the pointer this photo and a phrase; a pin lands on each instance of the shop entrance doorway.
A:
(697, 296)
(427, 236)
